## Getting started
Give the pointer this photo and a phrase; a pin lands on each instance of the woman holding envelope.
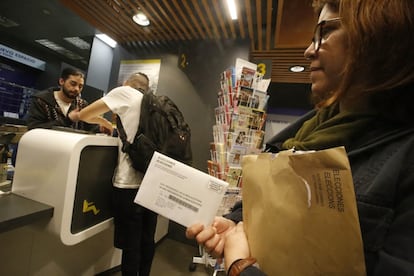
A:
(362, 74)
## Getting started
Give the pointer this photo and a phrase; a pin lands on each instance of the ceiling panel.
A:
(278, 30)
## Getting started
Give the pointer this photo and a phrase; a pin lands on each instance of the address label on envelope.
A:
(179, 192)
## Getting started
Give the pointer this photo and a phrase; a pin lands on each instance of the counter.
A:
(56, 220)
(71, 172)
(17, 211)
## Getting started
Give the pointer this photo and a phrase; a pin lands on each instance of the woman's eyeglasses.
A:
(321, 32)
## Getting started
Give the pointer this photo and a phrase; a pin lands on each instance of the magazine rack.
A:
(239, 130)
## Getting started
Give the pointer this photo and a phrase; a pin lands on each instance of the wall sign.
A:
(150, 67)
(22, 58)
(264, 67)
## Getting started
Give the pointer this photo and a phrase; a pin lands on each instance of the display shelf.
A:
(240, 120)
(239, 130)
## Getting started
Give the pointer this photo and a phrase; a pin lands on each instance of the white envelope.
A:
(179, 192)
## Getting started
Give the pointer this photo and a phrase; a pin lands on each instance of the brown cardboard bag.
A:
(300, 214)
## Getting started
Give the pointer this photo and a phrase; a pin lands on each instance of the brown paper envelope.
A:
(300, 213)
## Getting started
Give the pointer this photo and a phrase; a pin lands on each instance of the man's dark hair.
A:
(144, 75)
(71, 72)
(135, 81)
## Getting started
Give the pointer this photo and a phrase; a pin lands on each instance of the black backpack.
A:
(161, 128)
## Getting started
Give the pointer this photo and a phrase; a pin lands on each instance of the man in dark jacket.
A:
(49, 108)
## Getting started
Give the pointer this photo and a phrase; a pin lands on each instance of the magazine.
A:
(232, 195)
(239, 136)
(259, 99)
(235, 155)
(245, 95)
(239, 121)
(247, 77)
(256, 139)
(256, 118)
(220, 133)
(240, 64)
(222, 114)
(234, 174)
(214, 169)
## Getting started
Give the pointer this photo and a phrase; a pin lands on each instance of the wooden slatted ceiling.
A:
(278, 30)
(282, 60)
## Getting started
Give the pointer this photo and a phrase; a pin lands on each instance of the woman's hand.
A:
(211, 237)
(236, 245)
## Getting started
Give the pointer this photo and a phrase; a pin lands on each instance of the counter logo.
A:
(89, 206)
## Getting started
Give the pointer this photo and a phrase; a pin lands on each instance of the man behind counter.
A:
(49, 108)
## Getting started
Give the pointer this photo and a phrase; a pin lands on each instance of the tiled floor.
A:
(173, 258)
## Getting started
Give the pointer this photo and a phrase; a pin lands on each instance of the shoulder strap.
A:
(120, 128)
(145, 113)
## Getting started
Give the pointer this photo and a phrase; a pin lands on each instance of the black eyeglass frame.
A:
(317, 34)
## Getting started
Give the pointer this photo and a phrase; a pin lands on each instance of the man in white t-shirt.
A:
(134, 224)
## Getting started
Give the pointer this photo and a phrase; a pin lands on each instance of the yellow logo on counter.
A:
(89, 206)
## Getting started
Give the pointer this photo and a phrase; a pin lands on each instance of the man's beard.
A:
(67, 93)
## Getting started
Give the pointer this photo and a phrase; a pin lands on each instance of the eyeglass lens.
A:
(317, 35)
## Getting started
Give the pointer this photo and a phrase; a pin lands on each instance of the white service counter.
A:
(71, 172)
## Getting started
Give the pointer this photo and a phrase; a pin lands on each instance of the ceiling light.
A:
(232, 8)
(141, 19)
(7, 22)
(297, 68)
(78, 42)
(107, 40)
(57, 48)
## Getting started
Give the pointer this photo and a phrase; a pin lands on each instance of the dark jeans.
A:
(134, 233)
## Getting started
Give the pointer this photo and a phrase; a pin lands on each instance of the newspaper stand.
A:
(239, 130)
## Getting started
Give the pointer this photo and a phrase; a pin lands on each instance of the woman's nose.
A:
(309, 52)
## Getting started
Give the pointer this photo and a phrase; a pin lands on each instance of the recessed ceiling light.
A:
(232, 9)
(297, 68)
(141, 19)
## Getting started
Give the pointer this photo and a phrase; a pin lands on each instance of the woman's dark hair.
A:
(318, 5)
(380, 63)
